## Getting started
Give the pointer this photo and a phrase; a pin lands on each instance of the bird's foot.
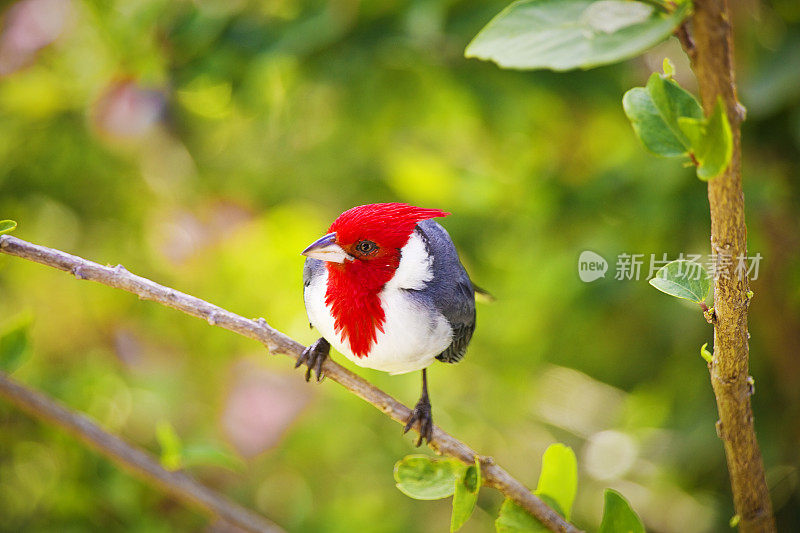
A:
(422, 415)
(313, 357)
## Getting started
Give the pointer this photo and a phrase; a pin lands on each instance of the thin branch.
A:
(138, 462)
(710, 49)
(277, 342)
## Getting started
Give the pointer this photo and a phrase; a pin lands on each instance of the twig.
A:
(711, 52)
(277, 342)
(138, 462)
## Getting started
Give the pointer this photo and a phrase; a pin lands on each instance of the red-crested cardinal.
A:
(386, 288)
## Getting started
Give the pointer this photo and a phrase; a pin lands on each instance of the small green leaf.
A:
(14, 345)
(618, 517)
(683, 279)
(705, 354)
(568, 34)
(468, 484)
(649, 125)
(559, 478)
(515, 519)
(672, 102)
(7, 226)
(714, 151)
(734, 521)
(423, 478)
(171, 448)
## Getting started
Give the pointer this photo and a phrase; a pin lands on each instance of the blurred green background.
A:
(204, 143)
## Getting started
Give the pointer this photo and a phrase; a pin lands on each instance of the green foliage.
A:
(559, 477)
(14, 344)
(7, 226)
(618, 517)
(465, 496)
(670, 122)
(683, 279)
(331, 107)
(568, 34)
(423, 478)
(557, 486)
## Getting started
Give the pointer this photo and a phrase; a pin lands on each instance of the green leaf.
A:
(468, 484)
(649, 125)
(618, 517)
(14, 345)
(673, 101)
(423, 478)
(171, 447)
(568, 34)
(683, 279)
(559, 478)
(714, 150)
(515, 519)
(558, 483)
(7, 226)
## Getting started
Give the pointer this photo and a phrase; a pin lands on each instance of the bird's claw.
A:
(422, 415)
(313, 357)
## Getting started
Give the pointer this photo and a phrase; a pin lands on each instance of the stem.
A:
(277, 342)
(178, 484)
(711, 53)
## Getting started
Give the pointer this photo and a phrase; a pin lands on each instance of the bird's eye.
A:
(366, 247)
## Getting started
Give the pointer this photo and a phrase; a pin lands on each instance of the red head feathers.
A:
(373, 234)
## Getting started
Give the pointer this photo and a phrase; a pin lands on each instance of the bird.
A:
(386, 288)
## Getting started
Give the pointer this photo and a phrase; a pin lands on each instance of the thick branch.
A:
(178, 484)
(277, 342)
(712, 59)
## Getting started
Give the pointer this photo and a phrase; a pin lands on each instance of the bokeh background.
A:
(204, 143)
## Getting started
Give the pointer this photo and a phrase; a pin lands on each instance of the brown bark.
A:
(710, 47)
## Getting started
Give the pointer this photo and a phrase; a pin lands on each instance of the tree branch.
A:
(138, 462)
(277, 342)
(711, 53)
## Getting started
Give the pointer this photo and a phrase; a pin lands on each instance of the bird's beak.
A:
(326, 249)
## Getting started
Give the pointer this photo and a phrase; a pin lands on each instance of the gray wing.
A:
(451, 290)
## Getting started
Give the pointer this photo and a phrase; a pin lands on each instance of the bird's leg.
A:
(422, 414)
(313, 357)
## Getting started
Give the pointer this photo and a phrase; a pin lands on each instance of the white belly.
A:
(412, 335)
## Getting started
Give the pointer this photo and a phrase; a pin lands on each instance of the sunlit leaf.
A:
(468, 484)
(424, 478)
(683, 279)
(559, 477)
(7, 226)
(171, 447)
(568, 34)
(618, 517)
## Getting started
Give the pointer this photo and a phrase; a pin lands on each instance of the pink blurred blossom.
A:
(29, 26)
(126, 110)
(260, 407)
